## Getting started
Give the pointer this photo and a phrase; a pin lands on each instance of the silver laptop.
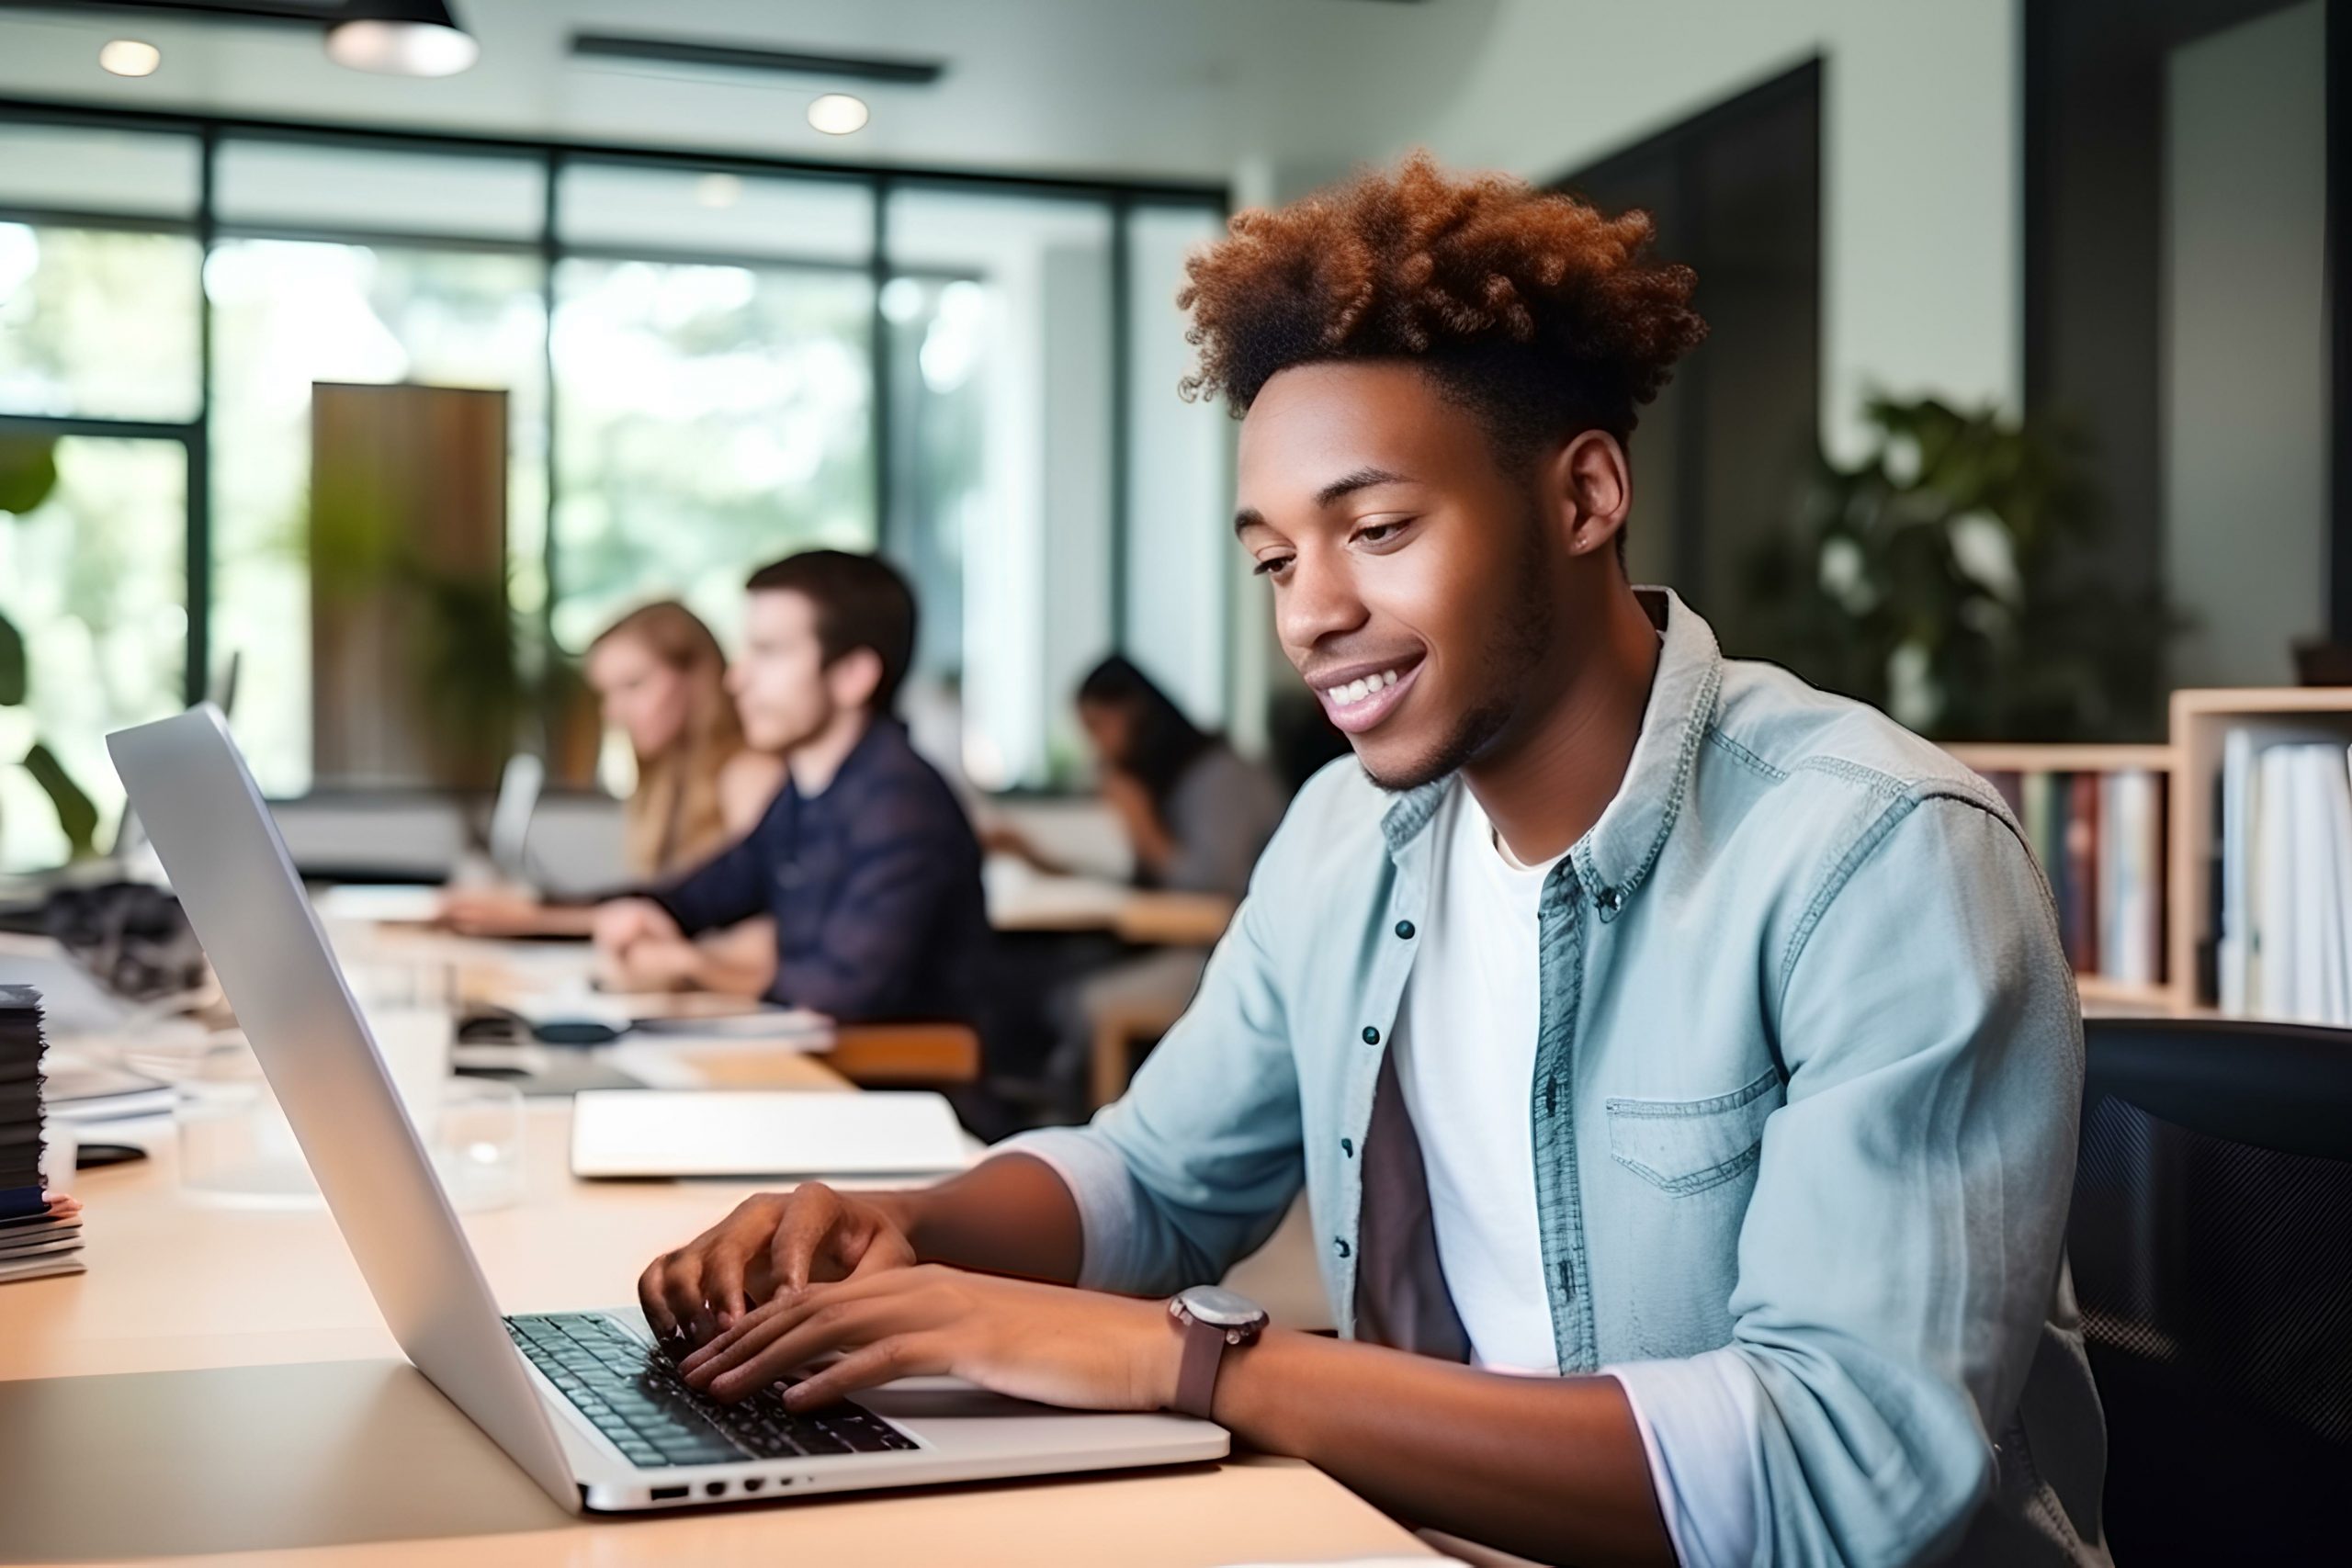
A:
(581, 1400)
(519, 786)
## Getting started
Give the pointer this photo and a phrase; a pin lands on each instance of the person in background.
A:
(864, 860)
(660, 681)
(1195, 813)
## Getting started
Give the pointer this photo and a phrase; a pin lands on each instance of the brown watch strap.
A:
(1196, 1373)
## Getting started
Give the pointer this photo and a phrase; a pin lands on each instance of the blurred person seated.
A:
(659, 680)
(1196, 815)
(865, 860)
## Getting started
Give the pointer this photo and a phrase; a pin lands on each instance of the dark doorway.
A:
(1719, 458)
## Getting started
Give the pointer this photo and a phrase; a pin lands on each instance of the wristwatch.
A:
(1211, 1318)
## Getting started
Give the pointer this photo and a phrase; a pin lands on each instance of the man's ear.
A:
(1590, 486)
(853, 678)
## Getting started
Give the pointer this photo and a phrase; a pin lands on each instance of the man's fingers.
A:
(791, 1340)
(808, 1215)
(681, 1291)
(900, 1356)
(651, 1295)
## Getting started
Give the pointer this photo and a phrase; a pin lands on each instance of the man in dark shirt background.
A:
(865, 860)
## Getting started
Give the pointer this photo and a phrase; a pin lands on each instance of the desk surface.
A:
(192, 1307)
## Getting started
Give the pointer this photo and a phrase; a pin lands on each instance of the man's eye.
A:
(1271, 566)
(1381, 533)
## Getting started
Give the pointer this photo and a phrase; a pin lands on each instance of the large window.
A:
(287, 315)
(708, 418)
(707, 364)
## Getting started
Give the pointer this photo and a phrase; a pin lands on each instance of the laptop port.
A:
(714, 1489)
(669, 1494)
(753, 1483)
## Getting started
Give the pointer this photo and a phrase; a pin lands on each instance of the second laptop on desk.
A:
(750, 1132)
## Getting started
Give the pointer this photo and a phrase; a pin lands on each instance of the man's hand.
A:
(489, 912)
(1079, 1349)
(770, 1243)
(625, 922)
(652, 965)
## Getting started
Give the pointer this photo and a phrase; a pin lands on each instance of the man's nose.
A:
(1320, 601)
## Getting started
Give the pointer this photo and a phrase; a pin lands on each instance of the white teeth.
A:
(1354, 692)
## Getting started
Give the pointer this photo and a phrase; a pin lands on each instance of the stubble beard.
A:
(1521, 639)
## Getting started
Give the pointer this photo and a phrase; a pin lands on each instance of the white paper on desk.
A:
(387, 905)
(649, 1133)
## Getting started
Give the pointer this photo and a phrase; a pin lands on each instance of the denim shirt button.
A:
(1404, 930)
(1348, 1147)
(1370, 1036)
(1339, 1245)
(1608, 899)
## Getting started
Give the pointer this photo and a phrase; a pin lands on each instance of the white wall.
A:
(2246, 347)
(1921, 134)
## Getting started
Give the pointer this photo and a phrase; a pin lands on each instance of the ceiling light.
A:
(128, 57)
(837, 114)
(402, 38)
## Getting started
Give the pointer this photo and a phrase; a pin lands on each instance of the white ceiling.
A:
(1190, 89)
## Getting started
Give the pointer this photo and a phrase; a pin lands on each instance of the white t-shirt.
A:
(1466, 1061)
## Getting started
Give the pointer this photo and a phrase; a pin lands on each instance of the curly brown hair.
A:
(1541, 315)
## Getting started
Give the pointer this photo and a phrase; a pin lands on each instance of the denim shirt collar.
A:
(1615, 854)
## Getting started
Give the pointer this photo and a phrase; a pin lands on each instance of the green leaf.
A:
(28, 472)
(75, 813)
(12, 665)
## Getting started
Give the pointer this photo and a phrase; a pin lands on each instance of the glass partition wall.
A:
(706, 362)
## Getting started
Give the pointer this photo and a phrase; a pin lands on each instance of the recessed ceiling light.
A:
(402, 38)
(719, 190)
(837, 114)
(128, 57)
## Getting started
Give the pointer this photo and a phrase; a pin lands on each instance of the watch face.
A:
(1221, 1308)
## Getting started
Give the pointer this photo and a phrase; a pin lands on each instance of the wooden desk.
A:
(193, 1312)
(1021, 899)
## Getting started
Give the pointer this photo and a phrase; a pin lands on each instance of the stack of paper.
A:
(38, 1235)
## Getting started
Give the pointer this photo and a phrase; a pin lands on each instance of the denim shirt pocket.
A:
(1683, 1146)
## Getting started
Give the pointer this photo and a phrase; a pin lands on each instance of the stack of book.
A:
(39, 1234)
(2285, 881)
(2101, 839)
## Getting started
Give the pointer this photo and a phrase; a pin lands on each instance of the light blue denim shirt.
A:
(1808, 1065)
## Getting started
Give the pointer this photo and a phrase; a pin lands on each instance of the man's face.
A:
(780, 681)
(1413, 577)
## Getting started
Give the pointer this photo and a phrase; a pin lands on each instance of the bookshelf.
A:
(2190, 765)
(2201, 720)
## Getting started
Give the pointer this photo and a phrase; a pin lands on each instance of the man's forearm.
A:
(1551, 1468)
(1009, 1215)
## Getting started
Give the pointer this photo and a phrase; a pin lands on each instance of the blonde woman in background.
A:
(659, 680)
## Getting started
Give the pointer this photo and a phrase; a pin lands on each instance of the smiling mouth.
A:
(1358, 704)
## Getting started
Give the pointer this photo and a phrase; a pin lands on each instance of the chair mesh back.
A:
(2212, 1280)
(2229, 1266)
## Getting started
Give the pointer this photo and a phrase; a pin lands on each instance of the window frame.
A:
(1121, 198)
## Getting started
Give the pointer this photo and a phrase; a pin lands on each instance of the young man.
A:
(1637, 1019)
(865, 860)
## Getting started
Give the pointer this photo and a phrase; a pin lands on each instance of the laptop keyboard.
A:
(631, 1393)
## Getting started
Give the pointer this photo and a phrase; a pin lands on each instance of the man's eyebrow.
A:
(1362, 478)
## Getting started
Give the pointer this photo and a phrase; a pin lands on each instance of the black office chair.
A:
(2212, 1244)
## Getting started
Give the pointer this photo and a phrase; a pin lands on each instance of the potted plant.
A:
(28, 474)
(1950, 578)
